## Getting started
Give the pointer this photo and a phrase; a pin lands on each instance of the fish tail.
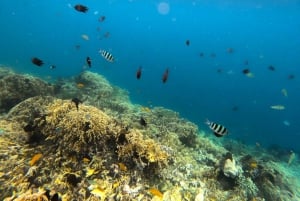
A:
(207, 122)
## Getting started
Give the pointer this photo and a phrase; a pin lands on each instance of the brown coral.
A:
(15, 88)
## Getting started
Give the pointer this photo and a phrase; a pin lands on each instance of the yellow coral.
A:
(145, 148)
(78, 130)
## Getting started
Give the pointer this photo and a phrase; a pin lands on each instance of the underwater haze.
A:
(228, 61)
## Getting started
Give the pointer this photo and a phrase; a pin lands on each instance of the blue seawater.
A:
(153, 34)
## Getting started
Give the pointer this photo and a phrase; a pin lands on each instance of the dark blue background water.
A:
(262, 32)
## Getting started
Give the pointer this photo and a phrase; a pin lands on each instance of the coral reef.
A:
(94, 89)
(92, 146)
(15, 88)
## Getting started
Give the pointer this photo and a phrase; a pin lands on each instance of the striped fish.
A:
(218, 129)
(106, 55)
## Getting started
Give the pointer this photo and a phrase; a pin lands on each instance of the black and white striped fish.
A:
(106, 55)
(218, 129)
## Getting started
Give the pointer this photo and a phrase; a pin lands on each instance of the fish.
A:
(79, 85)
(292, 157)
(247, 72)
(235, 108)
(218, 129)
(139, 73)
(201, 54)
(106, 55)
(122, 167)
(213, 55)
(89, 61)
(230, 50)
(101, 18)
(77, 102)
(52, 66)
(156, 192)
(37, 61)
(81, 8)
(219, 70)
(106, 35)
(165, 76)
(277, 107)
(85, 37)
(286, 123)
(145, 109)
(77, 47)
(271, 68)
(291, 77)
(187, 42)
(35, 158)
(143, 122)
(284, 92)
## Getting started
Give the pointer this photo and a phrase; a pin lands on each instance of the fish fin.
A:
(218, 135)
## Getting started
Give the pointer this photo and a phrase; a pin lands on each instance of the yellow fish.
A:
(80, 85)
(122, 167)
(156, 192)
(35, 158)
(284, 92)
(277, 107)
(145, 109)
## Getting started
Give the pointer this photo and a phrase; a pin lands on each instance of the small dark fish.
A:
(89, 62)
(77, 47)
(271, 68)
(29, 127)
(81, 8)
(291, 77)
(218, 129)
(77, 102)
(52, 66)
(55, 197)
(139, 73)
(106, 55)
(143, 122)
(201, 54)
(235, 108)
(246, 71)
(37, 61)
(107, 34)
(101, 18)
(187, 42)
(213, 55)
(220, 70)
(87, 126)
(165, 76)
(230, 50)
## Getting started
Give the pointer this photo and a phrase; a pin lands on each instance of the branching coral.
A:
(145, 150)
(82, 130)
